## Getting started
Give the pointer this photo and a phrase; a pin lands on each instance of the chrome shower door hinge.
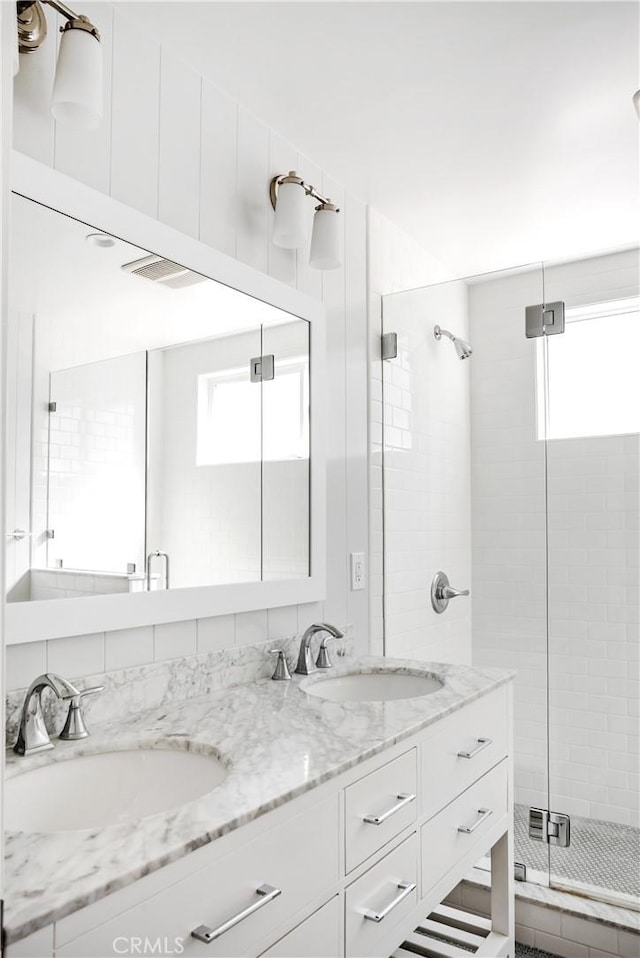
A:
(519, 871)
(554, 828)
(262, 368)
(389, 346)
(52, 406)
(545, 319)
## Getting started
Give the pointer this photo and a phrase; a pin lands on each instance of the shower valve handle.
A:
(442, 592)
(448, 593)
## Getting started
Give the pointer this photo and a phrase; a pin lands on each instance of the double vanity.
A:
(328, 815)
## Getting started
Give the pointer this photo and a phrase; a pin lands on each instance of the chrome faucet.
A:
(158, 554)
(305, 664)
(32, 732)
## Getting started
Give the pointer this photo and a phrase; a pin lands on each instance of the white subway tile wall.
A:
(427, 475)
(80, 655)
(593, 556)
(187, 153)
(396, 263)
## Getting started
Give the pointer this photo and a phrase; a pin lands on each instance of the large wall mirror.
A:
(159, 441)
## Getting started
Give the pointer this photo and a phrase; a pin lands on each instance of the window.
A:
(238, 421)
(593, 380)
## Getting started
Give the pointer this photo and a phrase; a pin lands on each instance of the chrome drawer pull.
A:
(482, 743)
(267, 893)
(404, 799)
(483, 814)
(406, 889)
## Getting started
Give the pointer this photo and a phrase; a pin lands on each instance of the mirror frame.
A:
(55, 618)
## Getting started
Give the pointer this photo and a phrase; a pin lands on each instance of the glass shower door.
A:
(592, 399)
(464, 492)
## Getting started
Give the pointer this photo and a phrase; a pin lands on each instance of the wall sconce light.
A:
(288, 192)
(77, 90)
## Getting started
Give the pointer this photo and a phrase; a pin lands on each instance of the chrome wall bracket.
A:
(544, 319)
(389, 346)
(553, 828)
(262, 368)
(32, 26)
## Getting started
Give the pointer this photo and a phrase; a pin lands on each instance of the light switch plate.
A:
(358, 571)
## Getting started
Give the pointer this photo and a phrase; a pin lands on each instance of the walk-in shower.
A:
(518, 473)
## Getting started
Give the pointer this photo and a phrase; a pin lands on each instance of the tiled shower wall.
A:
(396, 263)
(593, 555)
(179, 149)
(427, 495)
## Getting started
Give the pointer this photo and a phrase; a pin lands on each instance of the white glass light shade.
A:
(77, 91)
(289, 227)
(326, 240)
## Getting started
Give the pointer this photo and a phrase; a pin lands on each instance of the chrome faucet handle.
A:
(323, 661)
(74, 727)
(281, 672)
(32, 731)
(305, 664)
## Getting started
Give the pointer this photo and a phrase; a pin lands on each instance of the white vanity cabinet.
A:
(349, 868)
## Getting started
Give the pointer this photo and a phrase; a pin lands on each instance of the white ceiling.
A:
(495, 133)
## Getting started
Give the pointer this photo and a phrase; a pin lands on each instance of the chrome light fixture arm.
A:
(309, 189)
(32, 23)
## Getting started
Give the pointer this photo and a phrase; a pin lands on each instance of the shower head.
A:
(463, 349)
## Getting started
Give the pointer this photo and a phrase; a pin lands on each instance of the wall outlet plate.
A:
(358, 571)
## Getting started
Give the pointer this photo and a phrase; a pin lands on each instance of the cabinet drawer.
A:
(385, 892)
(378, 807)
(319, 936)
(214, 895)
(463, 747)
(460, 826)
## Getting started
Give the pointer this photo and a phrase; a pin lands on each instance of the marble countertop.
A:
(277, 742)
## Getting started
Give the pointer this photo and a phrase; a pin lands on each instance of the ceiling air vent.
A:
(163, 271)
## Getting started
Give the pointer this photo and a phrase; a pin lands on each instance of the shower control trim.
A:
(442, 592)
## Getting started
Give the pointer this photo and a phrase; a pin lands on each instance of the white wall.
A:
(593, 554)
(427, 480)
(179, 149)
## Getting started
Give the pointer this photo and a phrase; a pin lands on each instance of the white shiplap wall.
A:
(179, 149)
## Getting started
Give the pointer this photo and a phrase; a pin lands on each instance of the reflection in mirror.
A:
(158, 421)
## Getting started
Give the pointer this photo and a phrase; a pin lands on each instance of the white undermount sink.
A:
(95, 791)
(372, 686)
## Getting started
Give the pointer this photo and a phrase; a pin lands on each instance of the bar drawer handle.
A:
(483, 815)
(404, 800)
(405, 890)
(482, 743)
(207, 935)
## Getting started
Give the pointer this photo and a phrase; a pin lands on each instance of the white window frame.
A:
(575, 314)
